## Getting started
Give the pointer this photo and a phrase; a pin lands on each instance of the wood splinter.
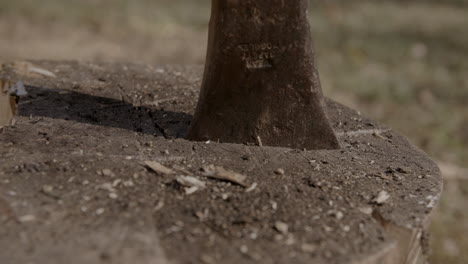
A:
(9, 98)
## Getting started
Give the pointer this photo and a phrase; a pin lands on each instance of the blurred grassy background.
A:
(404, 63)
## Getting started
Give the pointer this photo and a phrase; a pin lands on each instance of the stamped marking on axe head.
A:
(261, 79)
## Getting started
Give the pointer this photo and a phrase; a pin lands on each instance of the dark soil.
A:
(74, 187)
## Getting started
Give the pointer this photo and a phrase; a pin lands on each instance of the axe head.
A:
(261, 82)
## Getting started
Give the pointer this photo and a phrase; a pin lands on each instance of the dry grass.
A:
(403, 63)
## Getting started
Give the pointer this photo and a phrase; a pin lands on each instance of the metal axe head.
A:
(261, 82)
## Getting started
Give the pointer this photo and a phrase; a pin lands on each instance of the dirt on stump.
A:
(96, 169)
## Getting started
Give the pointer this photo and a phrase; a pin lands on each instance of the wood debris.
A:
(202, 215)
(158, 168)
(47, 189)
(191, 184)
(107, 173)
(41, 71)
(252, 187)
(280, 171)
(433, 200)
(244, 249)
(106, 187)
(337, 214)
(190, 181)
(110, 188)
(191, 190)
(27, 218)
(7, 104)
(222, 174)
(27, 68)
(379, 135)
(382, 197)
(116, 182)
(274, 205)
(366, 210)
(128, 183)
(182, 170)
(282, 227)
(259, 141)
(159, 206)
(308, 248)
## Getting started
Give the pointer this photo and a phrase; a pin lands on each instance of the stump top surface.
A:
(74, 187)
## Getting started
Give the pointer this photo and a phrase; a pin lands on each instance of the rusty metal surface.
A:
(261, 84)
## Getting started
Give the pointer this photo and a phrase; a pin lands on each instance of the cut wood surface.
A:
(7, 104)
(75, 185)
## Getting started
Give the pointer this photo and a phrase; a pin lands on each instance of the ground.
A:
(402, 63)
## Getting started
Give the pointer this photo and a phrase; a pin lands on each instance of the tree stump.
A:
(96, 170)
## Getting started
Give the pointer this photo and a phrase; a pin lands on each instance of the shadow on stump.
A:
(102, 111)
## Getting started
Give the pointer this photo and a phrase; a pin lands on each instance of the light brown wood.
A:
(7, 105)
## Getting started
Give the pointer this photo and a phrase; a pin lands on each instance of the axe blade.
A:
(261, 82)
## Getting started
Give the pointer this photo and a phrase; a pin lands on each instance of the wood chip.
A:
(191, 190)
(222, 174)
(382, 197)
(251, 188)
(280, 171)
(42, 72)
(159, 206)
(281, 227)
(107, 173)
(308, 248)
(189, 181)
(158, 168)
(433, 200)
(7, 104)
(366, 210)
(47, 189)
(100, 211)
(27, 218)
(27, 68)
(259, 141)
(377, 134)
(107, 187)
